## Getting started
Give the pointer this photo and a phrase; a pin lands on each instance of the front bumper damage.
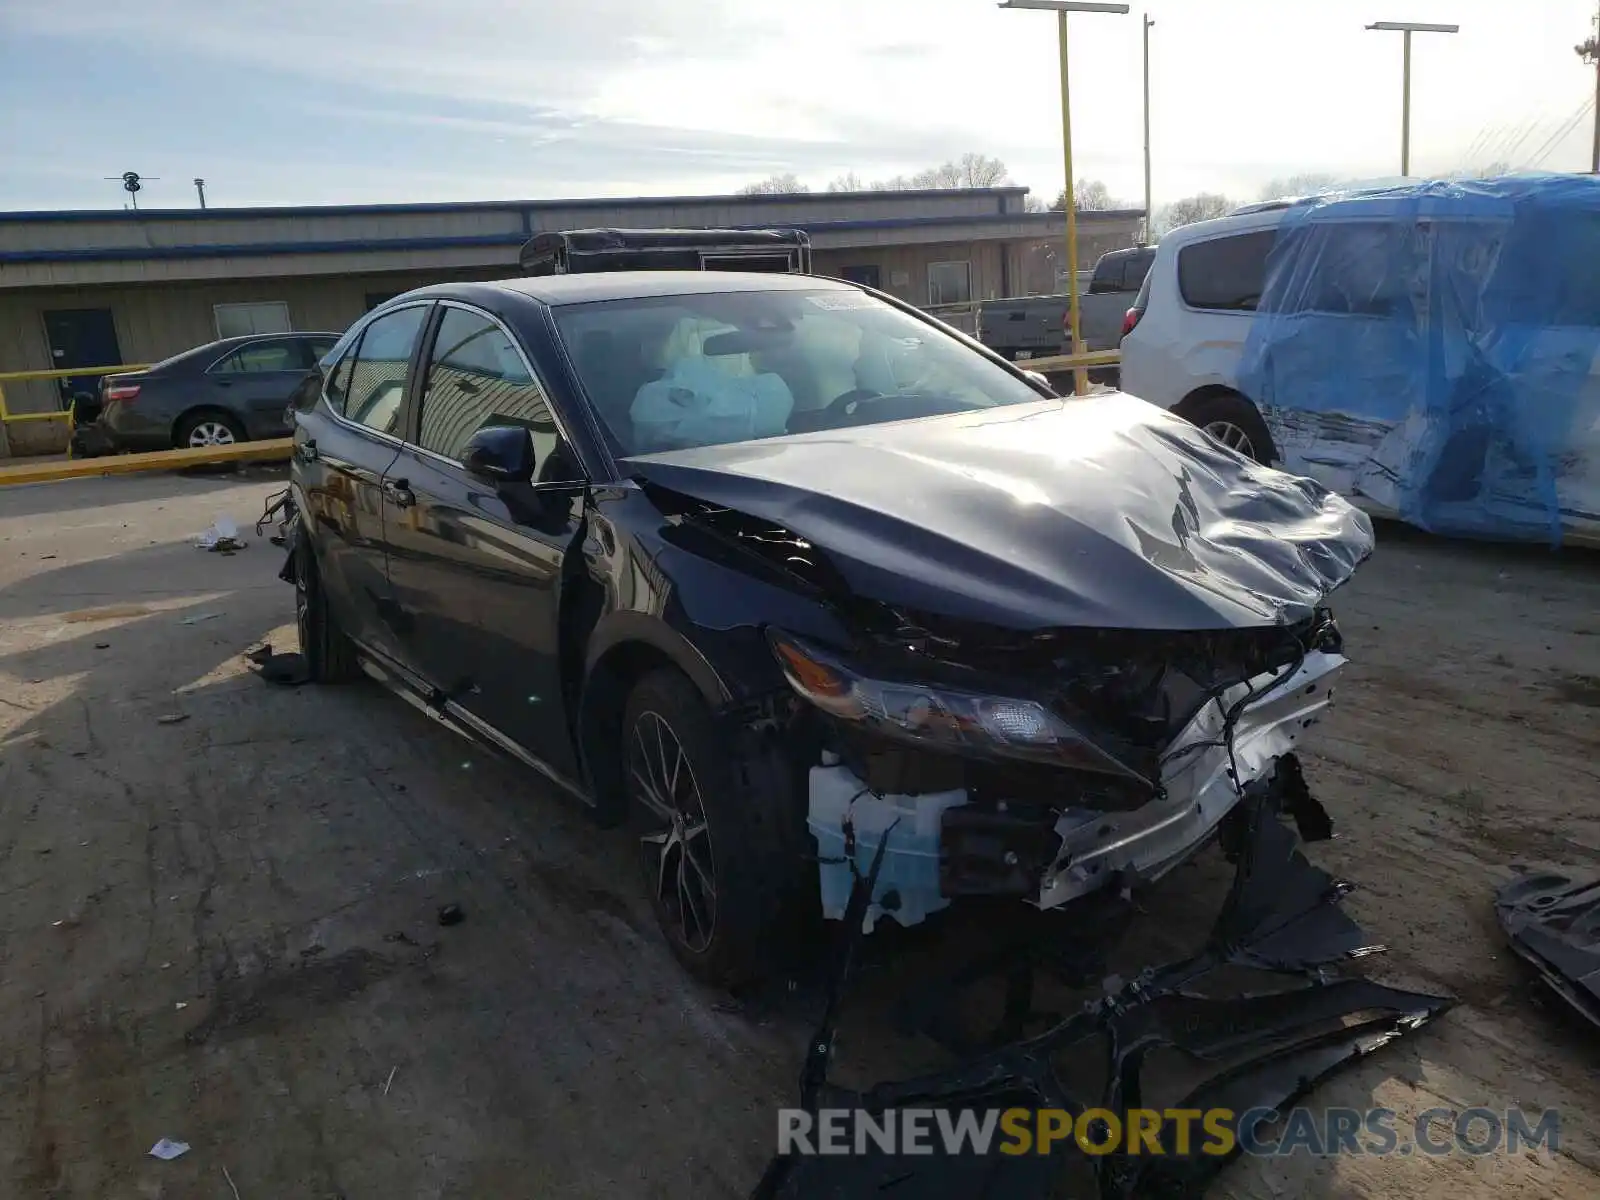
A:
(1263, 1050)
(947, 845)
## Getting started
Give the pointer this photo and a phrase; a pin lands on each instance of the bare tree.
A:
(848, 182)
(1310, 183)
(1201, 207)
(1089, 195)
(971, 170)
(775, 185)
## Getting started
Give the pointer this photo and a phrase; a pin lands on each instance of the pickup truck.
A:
(1024, 327)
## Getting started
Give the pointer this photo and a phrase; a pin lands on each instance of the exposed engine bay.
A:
(1051, 765)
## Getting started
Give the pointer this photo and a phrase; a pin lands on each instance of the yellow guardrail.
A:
(1068, 362)
(47, 470)
(7, 417)
(273, 450)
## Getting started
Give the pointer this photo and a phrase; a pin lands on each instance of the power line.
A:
(1562, 134)
(1510, 151)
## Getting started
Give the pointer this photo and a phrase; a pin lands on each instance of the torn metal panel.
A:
(1552, 918)
(1203, 773)
(1104, 513)
(1267, 1049)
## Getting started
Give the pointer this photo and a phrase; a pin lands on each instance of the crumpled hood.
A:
(1101, 512)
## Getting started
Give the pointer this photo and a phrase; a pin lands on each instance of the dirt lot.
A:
(219, 918)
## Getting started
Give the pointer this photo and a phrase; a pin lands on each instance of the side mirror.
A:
(1040, 379)
(500, 454)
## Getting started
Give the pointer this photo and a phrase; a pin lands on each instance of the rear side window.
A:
(1225, 273)
(477, 378)
(1138, 271)
(319, 347)
(261, 356)
(374, 391)
(1108, 273)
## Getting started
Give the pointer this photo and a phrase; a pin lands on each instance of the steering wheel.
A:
(833, 414)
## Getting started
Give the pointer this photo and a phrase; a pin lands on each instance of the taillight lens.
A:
(122, 391)
(1129, 320)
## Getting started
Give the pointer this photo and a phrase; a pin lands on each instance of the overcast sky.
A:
(371, 101)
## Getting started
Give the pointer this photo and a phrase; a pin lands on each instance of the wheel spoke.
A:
(691, 910)
(652, 799)
(661, 865)
(699, 869)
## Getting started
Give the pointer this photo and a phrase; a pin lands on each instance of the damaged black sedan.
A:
(774, 565)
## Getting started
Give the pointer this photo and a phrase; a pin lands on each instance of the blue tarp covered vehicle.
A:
(1431, 348)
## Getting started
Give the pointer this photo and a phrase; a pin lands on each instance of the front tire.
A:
(712, 850)
(330, 656)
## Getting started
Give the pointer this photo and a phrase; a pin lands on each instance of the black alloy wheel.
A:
(679, 860)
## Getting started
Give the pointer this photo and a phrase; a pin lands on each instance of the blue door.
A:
(81, 337)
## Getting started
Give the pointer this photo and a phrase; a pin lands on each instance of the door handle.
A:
(399, 491)
(306, 451)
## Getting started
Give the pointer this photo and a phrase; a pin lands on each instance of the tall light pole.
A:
(1148, 22)
(1406, 29)
(1061, 8)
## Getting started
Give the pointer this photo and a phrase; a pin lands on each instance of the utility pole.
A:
(1148, 215)
(200, 186)
(131, 182)
(1589, 51)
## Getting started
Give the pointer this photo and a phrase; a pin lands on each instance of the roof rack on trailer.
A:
(582, 250)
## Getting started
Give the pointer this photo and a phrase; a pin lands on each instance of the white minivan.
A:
(1431, 351)
(1184, 337)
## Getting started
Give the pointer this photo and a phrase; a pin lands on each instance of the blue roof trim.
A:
(378, 245)
(337, 210)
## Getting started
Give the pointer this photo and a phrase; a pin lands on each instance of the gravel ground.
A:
(220, 898)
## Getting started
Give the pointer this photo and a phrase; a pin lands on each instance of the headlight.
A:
(937, 716)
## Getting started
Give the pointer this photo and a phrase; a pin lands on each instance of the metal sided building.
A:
(98, 288)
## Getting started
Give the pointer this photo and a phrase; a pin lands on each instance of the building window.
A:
(949, 282)
(236, 320)
(867, 275)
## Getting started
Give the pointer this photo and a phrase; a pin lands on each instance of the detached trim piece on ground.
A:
(1282, 915)
(1552, 919)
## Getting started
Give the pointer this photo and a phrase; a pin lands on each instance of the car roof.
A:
(584, 288)
(208, 351)
(1238, 222)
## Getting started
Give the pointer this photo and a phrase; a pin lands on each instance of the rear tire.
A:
(330, 656)
(1233, 421)
(713, 851)
(209, 427)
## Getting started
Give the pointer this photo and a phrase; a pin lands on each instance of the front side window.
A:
(240, 320)
(671, 372)
(477, 378)
(261, 356)
(374, 391)
(1225, 273)
(949, 282)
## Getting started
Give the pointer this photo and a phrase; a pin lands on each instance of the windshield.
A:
(672, 372)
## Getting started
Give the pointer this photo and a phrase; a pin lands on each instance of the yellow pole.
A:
(1080, 377)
